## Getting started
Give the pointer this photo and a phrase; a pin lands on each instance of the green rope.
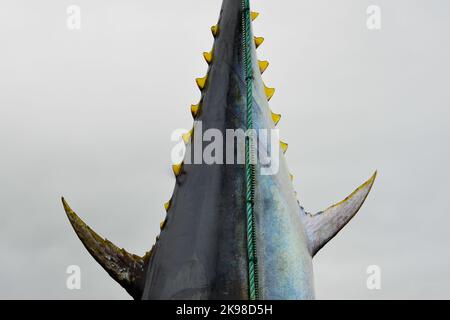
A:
(250, 155)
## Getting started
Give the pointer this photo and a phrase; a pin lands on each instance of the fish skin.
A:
(201, 253)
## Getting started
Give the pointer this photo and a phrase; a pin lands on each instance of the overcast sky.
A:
(88, 114)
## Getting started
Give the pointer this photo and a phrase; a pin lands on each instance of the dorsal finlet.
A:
(195, 108)
(201, 82)
(263, 65)
(284, 146)
(269, 92)
(177, 168)
(167, 205)
(187, 136)
(276, 118)
(215, 30)
(258, 41)
(208, 56)
(163, 224)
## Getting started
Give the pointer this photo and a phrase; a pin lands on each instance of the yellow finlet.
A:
(208, 56)
(284, 146)
(167, 205)
(187, 136)
(254, 15)
(291, 176)
(269, 92)
(163, 224)
(195, 108)
(201, 82)
(276, 118)
(263, 66)
(177, 169)
(258, 41)
(215, 30)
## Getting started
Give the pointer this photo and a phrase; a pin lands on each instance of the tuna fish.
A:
(202, 250)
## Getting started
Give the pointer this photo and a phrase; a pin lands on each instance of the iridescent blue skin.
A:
(284, 260)
(202, 252)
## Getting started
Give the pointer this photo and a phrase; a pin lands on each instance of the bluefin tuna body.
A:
(202, 250)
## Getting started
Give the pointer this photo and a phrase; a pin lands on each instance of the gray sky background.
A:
(88, 114)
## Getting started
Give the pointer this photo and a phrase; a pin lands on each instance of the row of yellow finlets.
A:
(195, 109)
